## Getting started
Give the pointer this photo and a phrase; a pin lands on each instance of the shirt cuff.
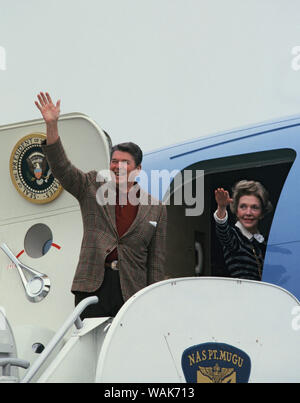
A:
(220, 220)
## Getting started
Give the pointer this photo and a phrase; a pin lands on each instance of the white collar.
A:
(248, 234)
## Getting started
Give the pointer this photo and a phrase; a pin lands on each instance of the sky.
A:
(156, 72)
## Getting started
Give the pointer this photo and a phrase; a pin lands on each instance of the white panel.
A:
(148, 337)
(87, 147)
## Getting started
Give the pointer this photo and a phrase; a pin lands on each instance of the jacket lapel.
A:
(143, 209)
(111, 213)
(110, 210)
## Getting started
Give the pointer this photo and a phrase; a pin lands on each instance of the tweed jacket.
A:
(141, 250)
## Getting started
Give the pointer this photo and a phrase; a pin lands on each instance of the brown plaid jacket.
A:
(141, 250)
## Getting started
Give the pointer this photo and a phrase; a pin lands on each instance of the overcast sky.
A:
(155, 72)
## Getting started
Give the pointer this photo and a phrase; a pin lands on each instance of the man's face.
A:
(123, 166)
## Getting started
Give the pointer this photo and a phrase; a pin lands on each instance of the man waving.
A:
(123, 245)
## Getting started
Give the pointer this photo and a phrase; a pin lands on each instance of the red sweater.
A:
(125, 216)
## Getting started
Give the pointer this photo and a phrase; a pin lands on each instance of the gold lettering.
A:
(198, 357)
(192, 359)
(212, 353)
(234, 359)
(229, 357)
(222, 355)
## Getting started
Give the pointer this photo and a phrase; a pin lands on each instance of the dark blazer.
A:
(141, 250)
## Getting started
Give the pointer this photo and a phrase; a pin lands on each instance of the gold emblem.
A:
(216, 375)
(30, 172)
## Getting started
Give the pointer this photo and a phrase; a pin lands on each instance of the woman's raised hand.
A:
(222, 198)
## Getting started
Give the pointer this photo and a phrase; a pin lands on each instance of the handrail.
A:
(74, 318)
(6, 363)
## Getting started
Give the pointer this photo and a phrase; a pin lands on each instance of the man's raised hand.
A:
(49, 111)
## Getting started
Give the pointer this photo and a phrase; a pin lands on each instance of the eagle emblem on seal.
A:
(38, 168)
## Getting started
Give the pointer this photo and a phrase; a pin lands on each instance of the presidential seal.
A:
(30, 172)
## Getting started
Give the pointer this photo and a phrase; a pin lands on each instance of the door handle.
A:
(38, 286)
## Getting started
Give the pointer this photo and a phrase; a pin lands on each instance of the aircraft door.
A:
(40, 222)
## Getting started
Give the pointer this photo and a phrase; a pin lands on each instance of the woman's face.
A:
(249, 212)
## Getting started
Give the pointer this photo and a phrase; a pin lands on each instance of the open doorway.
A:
(192, 245)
